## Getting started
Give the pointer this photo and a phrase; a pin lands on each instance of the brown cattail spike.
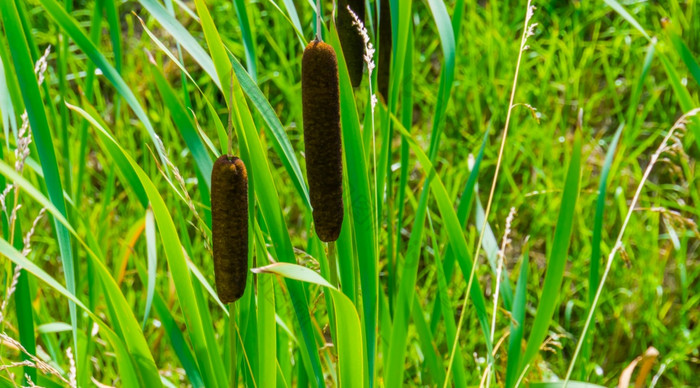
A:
(324, 159)
(350, 38)
(385, 43)
(229, 226)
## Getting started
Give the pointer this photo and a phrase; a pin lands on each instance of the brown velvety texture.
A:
(350, 38)
(385, 43)
(229, 226)
(324, 154)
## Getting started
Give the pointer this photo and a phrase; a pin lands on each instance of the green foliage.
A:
(117, 287)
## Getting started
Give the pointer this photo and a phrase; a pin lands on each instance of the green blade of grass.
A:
(25, 322)
(517, 322)
(248, 41)
(179, 344)
(115, 30)
(9, 120)
(183, 37)
(176, 261)
(184, 123)
(623, 12)
(460, 379)
(267, 336)
(687, 56)
(125, 322)
(275, 130)
(548, 301)
(594, 274)
(152, 255)
(684, 98)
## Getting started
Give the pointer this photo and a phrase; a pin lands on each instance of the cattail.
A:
(350, 39)
(229, 226)
(324, 160)
(385, 43)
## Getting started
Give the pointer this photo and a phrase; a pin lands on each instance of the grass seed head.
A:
(321, 114)
(350, 39)
(229, 216)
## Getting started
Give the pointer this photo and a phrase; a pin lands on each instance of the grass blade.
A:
(548, 301)
(517, 323)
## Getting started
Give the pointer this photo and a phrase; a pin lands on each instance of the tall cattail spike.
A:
(350, 39)
(229, 219)
(385, 47)
(324, 159)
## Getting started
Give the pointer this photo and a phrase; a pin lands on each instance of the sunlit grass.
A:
(106, 216)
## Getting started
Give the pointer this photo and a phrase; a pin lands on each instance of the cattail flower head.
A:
(351, 41)
(322, 138)
(229, 219)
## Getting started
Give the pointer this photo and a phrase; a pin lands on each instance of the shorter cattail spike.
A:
(350, 39)
(229, 226)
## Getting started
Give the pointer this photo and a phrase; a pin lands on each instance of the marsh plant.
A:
(375, 193)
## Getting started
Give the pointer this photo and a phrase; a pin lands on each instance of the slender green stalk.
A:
(233, 341)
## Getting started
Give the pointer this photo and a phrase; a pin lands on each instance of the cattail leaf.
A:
(350, 355)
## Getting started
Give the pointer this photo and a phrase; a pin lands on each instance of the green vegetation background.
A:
(117, 285)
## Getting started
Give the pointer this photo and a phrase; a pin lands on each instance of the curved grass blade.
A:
(267, 335)
(176, 261)
(351, 368)
(150, 231)
(556, 264)
(594, 274)
(627, 16)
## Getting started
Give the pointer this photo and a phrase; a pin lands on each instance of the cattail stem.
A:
(230, 119)
(332, 263)
(318, 21)
(232, 338)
